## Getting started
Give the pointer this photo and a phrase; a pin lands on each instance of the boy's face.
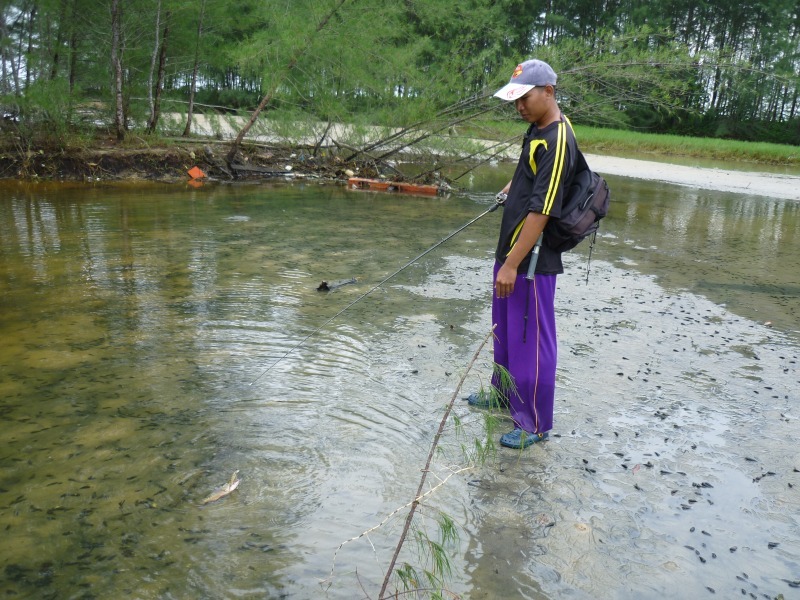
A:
(534, 104)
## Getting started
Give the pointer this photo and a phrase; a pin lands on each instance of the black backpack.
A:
(585, 203)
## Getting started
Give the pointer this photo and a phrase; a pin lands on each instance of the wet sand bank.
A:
(723, 180)
(667, 475)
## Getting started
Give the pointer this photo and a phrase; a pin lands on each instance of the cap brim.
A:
(512, 91)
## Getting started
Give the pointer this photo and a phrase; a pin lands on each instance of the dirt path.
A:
(760, 184)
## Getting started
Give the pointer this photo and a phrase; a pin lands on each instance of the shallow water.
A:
(153, 344)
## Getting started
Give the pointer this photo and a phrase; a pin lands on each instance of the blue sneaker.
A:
(519, 439)
(486, 400)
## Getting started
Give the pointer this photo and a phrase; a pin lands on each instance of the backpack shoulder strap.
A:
(527, 134)
(580, 163)
(580, 160)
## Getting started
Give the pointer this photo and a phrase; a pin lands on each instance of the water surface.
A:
(153, 344)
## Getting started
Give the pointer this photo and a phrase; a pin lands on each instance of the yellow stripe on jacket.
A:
(558, 168)
(555, 177)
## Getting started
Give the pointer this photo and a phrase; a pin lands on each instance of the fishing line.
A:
(499, 199)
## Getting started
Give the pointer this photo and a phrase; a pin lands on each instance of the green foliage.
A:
(433, 551)
(43, 114)
(409, 578)
(644, 72)
(655, 66)
(506, 384)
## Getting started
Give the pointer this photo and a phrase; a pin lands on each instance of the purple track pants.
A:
(528, 349)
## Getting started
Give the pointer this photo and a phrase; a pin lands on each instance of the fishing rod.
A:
(400, 133)
(499, 200)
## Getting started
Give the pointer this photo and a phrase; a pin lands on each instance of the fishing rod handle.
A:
(499, 200)
(534, 258)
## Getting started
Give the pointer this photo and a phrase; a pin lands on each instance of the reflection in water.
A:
(133, 325)
(136, 323)
(738, 250)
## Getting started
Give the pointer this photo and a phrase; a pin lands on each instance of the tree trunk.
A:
(16, 67)
(73, 55)
(151, 74)
(4, 74)
(193, 86)
(62, 23)
(29, 53)
(715, 100)
(8, 61)
(116, 69)
(689, 27)
(162, 62)
(547, 10)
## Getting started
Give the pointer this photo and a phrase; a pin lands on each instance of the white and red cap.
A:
(528, 75)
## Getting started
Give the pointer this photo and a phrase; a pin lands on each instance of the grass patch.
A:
(599, 140)
(611, 141)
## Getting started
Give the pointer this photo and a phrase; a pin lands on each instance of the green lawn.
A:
(609, 141)
(599, 140)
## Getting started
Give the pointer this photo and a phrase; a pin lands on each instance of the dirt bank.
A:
(104, 160)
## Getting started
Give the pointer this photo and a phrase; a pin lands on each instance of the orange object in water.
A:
(196, 173)
(359, 183)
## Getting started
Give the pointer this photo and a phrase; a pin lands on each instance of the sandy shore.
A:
(759, 184)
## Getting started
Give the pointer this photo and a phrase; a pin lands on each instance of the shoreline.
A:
(170, 164)
(785, 187)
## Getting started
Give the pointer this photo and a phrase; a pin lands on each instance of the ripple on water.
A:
(669, 462)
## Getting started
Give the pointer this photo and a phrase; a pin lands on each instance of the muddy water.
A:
(151, 347)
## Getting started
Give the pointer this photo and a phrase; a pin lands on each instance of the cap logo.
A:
(517, 72)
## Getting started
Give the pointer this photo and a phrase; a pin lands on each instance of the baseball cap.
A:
(528, 75)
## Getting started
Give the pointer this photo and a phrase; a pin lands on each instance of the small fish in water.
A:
(224, 490)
